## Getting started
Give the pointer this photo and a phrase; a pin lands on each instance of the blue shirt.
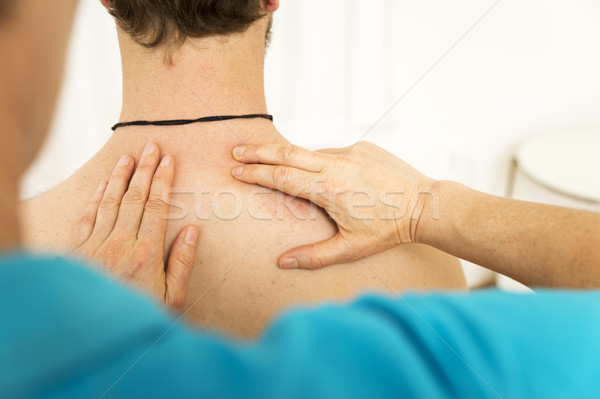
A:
(68, 332)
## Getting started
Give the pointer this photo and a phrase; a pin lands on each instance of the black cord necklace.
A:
(177, 122)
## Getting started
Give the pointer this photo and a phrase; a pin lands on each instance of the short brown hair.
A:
(154, 22)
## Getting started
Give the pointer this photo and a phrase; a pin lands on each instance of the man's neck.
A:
(209, 76)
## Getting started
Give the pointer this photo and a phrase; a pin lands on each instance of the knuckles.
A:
(282, 175)
(143, 255)
(88, 219)
(287, 153)
(160, 177)
(147, 167)
(183, 258)
(316, 262)
(113, 252)
(134, 196)
(362, 149)
(156, 205)
(109, 203)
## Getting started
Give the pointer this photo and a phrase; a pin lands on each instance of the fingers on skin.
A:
(289, 155)
(180, 266)
(86, 223)
(108, 208)
(156, 211)
(134, 200)
(316, 256)
(289, 180)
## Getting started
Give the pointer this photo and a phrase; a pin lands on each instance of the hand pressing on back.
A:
(376, 199)
(124, 226)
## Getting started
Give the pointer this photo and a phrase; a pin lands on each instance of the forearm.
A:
(538, 245)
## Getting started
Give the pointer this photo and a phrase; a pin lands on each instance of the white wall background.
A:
(337, 67)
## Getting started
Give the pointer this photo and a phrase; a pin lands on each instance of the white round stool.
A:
(565, 164)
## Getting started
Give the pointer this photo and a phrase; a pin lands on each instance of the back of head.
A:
(170, 22)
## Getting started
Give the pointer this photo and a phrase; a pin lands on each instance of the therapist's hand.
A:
(376, 199)
(123, 229)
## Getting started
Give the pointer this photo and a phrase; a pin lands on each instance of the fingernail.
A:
(290, 263)
(101, 187)
(191, 236)
(149, 149)
(239, 151)
(124, 161)
(237, 171)
(166, 161)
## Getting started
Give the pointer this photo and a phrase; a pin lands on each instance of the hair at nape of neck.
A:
(167, 22)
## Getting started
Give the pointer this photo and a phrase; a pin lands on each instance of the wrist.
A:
(436, 219)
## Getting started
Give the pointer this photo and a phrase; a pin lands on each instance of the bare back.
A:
(236, 285)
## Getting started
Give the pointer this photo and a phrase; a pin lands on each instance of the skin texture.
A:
(236, 285)
(538, 245)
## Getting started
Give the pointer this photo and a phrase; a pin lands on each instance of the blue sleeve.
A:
(75, 334)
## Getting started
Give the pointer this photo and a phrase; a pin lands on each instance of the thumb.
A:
(180, 265)
(316, 256)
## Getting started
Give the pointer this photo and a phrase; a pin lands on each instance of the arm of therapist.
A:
(536, 244)
(68, 332)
